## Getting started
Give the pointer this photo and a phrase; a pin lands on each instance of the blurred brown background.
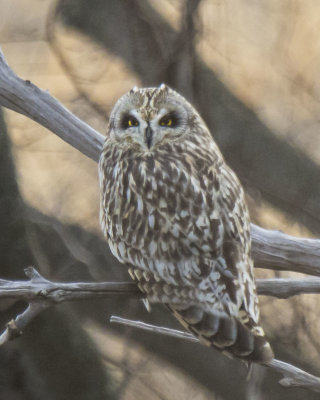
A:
(251, 69)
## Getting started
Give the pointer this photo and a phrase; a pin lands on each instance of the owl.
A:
(175, 214)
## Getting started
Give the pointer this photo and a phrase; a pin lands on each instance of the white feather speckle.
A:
(152, 247)
(122, 249)
(201, 221)
(164, 246)
(162, 203)
(175, 230)
(140, 205)
(154, 184)
(151, 221)
(192, 237)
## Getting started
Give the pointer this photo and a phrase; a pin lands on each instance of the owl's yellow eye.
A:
(166, 122)
(132, 122)
(128, 121)
(170, 119)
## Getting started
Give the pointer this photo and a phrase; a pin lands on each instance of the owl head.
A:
(149, 117)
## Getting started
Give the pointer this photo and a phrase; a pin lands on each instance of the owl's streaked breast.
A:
(156, 205)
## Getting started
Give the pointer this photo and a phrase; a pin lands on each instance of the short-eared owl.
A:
(175, 213)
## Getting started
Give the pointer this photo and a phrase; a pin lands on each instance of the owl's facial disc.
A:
(149, 128)
(149, 117)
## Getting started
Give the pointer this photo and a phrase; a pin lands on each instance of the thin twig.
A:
(15, 327)
(293, 376)
(154, 329)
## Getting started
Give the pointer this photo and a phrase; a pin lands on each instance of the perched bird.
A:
(175, 213)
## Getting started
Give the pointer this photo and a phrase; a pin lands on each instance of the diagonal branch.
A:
(26, 98)
(292, 376)
(15, 327)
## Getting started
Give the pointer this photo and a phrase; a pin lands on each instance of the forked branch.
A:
(41, 294)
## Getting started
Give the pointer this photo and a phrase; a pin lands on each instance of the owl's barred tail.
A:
(244, 340)
(225, 333)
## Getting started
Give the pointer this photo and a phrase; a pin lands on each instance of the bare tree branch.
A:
(271, 249)
(41, 293)
(293, 376)
(37, 288)
(15, 327)
(285, 288)
(154, 329)
(275, 250)
(26, 98)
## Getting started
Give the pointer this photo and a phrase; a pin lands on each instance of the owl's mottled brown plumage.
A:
(174, 212)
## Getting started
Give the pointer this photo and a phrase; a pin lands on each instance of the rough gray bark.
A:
(276, 250)
(38, 288)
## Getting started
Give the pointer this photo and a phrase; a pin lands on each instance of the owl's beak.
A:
(148, 136)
